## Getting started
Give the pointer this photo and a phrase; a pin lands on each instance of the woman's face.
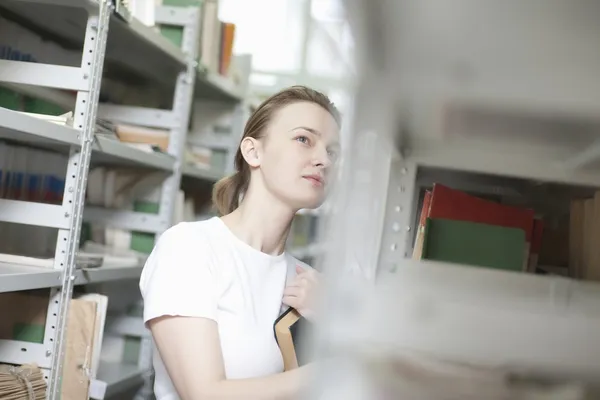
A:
(298, 154)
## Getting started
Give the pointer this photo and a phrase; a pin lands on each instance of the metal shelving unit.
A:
(516, 100)
(114, 46)
(50, 354)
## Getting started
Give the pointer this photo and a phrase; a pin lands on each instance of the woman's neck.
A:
(261, 222)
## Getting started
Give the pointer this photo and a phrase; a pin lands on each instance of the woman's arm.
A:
(191, 351)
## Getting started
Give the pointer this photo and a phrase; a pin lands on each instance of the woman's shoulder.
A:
(186, 239)
(183, 232)
(182, 247)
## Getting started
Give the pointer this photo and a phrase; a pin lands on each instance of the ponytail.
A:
(227, 191)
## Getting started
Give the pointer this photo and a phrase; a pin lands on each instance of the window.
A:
(329, 53)
(327, 11)
(330, 44)
(272, 31)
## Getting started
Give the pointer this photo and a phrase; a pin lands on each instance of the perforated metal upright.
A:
(75, 185)
(189, 20)
(240, 116)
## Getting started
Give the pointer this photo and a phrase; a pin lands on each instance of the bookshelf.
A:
(100, 67)
(489, 115)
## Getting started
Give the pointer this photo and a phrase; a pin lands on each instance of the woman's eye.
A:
(302, 139)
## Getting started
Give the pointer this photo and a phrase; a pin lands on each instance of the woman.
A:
(213, 289)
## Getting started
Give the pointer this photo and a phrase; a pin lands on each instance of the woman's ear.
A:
(251, 151)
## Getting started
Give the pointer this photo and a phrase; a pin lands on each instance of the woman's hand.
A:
(301, 292)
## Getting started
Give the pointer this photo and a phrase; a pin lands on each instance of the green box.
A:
(131, 350)
(173, 33)
(39, 106)
(143, 241)
(31, 333)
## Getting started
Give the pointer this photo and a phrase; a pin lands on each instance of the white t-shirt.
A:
(201, 269)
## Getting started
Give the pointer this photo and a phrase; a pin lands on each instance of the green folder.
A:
(474, 244)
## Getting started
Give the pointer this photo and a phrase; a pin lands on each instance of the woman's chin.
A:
(311, 204)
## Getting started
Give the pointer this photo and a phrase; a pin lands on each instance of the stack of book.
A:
(457, 227)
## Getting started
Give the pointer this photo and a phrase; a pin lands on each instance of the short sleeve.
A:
(178, 276)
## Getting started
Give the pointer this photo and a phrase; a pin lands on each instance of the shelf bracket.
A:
(37, 214)
(46, 75)
(19, 352)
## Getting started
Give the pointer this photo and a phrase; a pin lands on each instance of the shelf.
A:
(212, 86)
(15, 277)
(119, 377)
(544, 164)
(211, 175)
(18, 277)
(110, 151)
(22, 128)
(107, 274)
(492, 137)
(554, 316)
(133, 51)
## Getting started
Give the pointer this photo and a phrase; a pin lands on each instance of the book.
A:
(474, 244)
(289, 329)
(420, 235)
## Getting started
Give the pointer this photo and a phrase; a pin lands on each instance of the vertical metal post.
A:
(240, 116)
(398, 224)
(355, 229)
(182, 104)
(51, 322)
(92, 63)
(145, 364)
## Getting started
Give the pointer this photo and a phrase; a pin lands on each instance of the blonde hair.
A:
(227, 191)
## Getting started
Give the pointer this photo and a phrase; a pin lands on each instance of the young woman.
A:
(213, 289)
